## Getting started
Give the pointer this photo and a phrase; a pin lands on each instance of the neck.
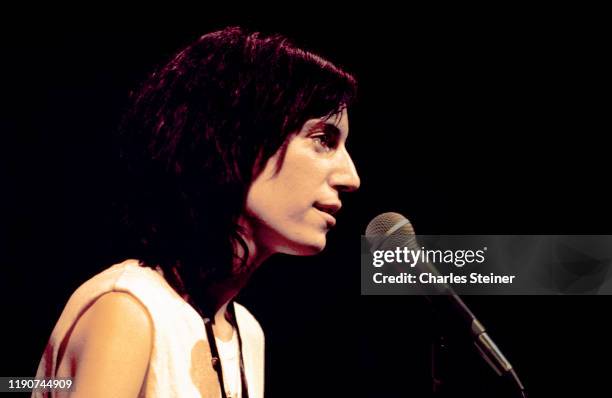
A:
(223, 292)
(222, 326)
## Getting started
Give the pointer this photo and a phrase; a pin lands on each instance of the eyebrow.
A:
(327, 128)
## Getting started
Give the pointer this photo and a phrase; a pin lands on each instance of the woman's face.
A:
(290, 210)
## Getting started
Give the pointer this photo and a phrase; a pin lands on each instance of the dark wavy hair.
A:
(199, 131)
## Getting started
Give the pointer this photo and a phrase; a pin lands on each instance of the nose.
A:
(344, 177)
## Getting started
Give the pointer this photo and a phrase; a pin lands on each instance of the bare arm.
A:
(109, 348)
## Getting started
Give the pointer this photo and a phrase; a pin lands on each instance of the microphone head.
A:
(389, 230)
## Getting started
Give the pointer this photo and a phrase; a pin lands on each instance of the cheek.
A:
(281, 205)
(295, 183)
(289, 194)
(270, 200)
(301, 174)
(277, 201)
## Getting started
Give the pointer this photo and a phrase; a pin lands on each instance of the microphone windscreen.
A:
(390, 230)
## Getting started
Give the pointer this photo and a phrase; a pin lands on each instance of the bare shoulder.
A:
(109, 348)
(114, 313)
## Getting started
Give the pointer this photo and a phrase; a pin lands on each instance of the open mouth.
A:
(328, 212)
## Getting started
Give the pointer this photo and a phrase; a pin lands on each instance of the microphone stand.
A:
(439, 360)
(485, 345)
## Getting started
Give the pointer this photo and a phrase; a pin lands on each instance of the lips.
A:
(328, 210)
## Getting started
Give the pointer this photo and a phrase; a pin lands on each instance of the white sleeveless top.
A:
(229, 354)
(180, 363)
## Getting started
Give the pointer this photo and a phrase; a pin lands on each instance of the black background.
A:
(465, 124)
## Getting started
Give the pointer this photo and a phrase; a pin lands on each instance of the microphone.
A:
(390, 230)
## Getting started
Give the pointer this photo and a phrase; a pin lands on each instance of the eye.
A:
(325, 141)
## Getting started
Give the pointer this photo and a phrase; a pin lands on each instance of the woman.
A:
(236, 151)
